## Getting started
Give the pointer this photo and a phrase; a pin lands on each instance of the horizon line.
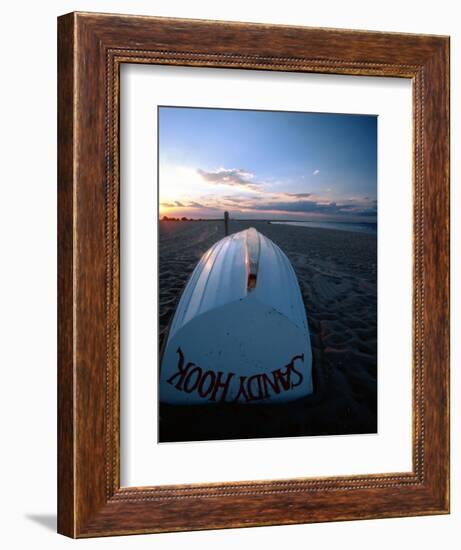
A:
(175, 218)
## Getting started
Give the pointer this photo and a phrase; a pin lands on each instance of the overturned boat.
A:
(239, 334)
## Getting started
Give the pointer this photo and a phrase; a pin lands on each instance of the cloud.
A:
(237, 200)
(316, 172)
(174, 204)
(298, 195)
(310, 206)
(291, 203)
(297, 206)
(178, 204)
(234, 177)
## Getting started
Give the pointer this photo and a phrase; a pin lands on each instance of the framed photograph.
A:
(253, 275)
(237, 334)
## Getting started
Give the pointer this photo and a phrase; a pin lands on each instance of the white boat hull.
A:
(253, 348)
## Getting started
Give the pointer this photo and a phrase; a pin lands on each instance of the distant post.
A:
(226, 223)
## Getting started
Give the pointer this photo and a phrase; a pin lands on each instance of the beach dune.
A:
(337, 274)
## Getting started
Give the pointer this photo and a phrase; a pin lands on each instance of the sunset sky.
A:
(267, 165)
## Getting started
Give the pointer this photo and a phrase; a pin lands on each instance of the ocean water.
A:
(364, 227)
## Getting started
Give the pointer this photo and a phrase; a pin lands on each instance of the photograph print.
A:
(267, 285)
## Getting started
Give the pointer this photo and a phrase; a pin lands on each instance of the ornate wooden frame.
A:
(91, 48)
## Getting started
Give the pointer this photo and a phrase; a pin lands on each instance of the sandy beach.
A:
(337, 273)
